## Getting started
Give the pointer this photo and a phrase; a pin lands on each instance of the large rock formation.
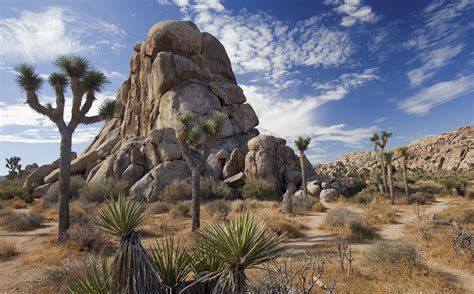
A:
(449, 151)
(176, 70)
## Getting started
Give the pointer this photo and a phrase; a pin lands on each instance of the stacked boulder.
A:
(179, 70)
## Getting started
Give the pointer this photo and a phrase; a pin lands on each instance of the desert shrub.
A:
(419, 198)
(319, 207)
(101, 191)
(458, 183)
(10, 189)
(92, 277)
(428, 187)
(359, 230)
(340, 217)
(178, 190)
(259, 190)
(362, 198)
(285, 226)
(392, 252)
(17, 203)
(88, 238)
(7, 250)
(467, 217)
(158, 207)
(303, 203)
(81, 213)
(218, 208)
(181, 209)
(379, 213)
(22, 222)
(469, 193)
(51, 197)
(211, 189)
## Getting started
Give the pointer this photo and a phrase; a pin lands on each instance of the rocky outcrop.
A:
(270, 160)
(449, 151)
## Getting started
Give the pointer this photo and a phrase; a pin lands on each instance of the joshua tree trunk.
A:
(390, 183)
(196, 198)
(384, 171)
(303, 175)
(64, 184)
(239, 280)
(405, 180)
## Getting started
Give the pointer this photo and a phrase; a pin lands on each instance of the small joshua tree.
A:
(379, 144)
(404, 156)
(84, 81)
(388, 156)
(196, 136)
(14, 167)
(302, 144)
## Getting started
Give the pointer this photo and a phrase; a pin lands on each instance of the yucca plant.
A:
(239, 245)
(133, 270)
(172, 262)
(94, 279)
(203, 263)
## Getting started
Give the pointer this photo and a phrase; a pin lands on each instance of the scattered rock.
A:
(328, 195)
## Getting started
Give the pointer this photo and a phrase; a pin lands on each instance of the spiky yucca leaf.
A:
(108, 108)
(94, 279)
(203, 263)
(172, 262)
(215, 123)
(239, 244)
(94, 80)
(27, 78)
(121, 217)
(58, 79)
(74, 66)
(302, 143)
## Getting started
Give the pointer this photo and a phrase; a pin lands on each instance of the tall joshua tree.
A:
(388, 156)
(14, 166)
(302, 144)
(84, 81)
(404, 154)
(196, 136)
(376, 140)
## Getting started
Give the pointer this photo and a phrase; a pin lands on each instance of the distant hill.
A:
(448, 151)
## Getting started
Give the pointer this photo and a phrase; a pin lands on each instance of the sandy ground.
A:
(314, 237)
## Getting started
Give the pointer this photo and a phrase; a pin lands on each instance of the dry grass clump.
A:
(428, 187)
(350, 224)
(10, 189)
(53, 256)
(258, 189)
(379, 213)
(86, 237)
(319, 207)
(17, 203)
(158, 207)
(19, 222)
(7, 250)
(392, 252)
(219, 209)
(181, 209)
(281, 225)
(362, 198)
(181, 190)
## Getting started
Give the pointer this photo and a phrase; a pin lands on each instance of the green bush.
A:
(182, 209)
(101, 191)
(22, 222)
(392, 252)
(258, 189)
(10, 189)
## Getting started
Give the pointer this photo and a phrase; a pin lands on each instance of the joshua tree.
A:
(376, 140)
(404, 154)
(14, 167)
(239, 245)
(302, 144)
(84, 81)
(388, 163)
(132, 270)
(196, 136)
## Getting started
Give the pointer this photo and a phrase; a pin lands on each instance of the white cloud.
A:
(353, 11)
(429, 97)
(439, 39)
(41, 136)
(55, 31)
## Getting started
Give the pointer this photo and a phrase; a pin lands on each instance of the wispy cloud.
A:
(429, 97)
(47, 136)
(55, 30)
(353, 11)
(440, 39)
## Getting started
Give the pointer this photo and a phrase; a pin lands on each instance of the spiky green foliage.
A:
(239, 245)
(388, 156)
(302, 143)
(172, 262)
(403, 151)
(72, 65)
(108, 108)
(375, 138)
(94, 80)
(121, 217)
(94, 279)
(58, 79)
(384, 137)
(14, 167)
(27, 78)
(191, 129)
(204, 263)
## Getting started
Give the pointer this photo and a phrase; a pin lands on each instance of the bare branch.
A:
(32, 101)
(91, 119)
(90, 98)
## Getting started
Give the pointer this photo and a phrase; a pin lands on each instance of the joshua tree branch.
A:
(90, 98)
(91, 119)
(32, 101)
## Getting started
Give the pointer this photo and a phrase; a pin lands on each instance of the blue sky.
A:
(335, 70)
